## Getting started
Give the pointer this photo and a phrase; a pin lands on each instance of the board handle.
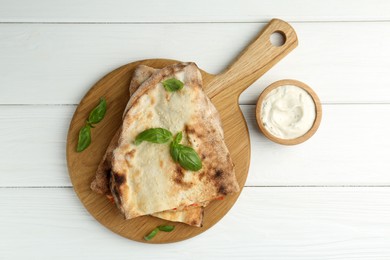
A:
(255, 60)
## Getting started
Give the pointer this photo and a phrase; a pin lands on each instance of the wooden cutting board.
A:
(224, 90)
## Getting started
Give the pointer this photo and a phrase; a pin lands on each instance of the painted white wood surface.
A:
(353, 153)
(265, 223)
(51, 52)
(58, 63)
(194, 11)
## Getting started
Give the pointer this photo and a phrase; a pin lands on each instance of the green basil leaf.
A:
(188, 158)
(97, 114)
(84, 138)
(166, 228)
(178, 137)
(154, 135)
(172, 85)
(174, 150)
(151, 234)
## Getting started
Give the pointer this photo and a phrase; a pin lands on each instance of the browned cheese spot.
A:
(201, 175)
(179, 175)
(179, 178)
(119, 179)
(218, 174)
(161, 163)
(222, 190)
(189, 130)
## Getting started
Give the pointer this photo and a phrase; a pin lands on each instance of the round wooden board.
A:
(223, 89)
(82, 166)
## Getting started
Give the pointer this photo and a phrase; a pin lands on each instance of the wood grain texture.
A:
(265, 223)
(223, 89)
(200, 11)
(60, 61)
(335, 156)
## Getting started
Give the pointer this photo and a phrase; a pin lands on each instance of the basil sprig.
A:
(172, 85)
(153, 233)
(154, 135)
(84, 138)
(95, 116)
(166, 228)
(185, 155)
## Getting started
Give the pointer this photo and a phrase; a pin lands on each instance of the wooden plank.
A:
(194, 11)
(33, 145)
(265, 223)
(350, 148)
(57, 63)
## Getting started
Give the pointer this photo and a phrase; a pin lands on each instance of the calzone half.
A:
(144, 177)
(192, 215)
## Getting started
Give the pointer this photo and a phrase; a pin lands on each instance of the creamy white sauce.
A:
(288, 112)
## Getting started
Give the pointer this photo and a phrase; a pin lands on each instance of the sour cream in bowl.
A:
(288, 112)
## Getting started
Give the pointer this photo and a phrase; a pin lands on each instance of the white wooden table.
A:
(328, 198)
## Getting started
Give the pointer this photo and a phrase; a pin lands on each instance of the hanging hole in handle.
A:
(277, 38)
